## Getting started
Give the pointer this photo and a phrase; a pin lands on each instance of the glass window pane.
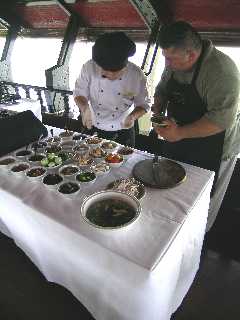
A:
(31, 57)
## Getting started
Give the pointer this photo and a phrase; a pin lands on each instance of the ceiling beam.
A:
(71, 12)
(147, 12)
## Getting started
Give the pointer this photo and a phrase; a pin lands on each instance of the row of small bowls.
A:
(64, 180)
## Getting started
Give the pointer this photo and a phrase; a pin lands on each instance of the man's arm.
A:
(134, 115)
(198, 129)
(137, 112)
(85, 111)
(81, 102)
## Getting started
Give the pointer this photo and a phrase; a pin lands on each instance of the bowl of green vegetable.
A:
(51, 161)
(86, 177)
(110, 210)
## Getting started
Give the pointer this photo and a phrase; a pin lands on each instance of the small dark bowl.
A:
(7, 161)
(69, 188)
(53, 149)
(52, 179)
(36, 157)
(23, 153)
(39, 145)
(20, 167)
(36, 172)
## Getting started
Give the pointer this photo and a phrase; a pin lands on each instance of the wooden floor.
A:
(214, 295)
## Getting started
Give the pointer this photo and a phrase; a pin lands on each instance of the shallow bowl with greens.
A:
(110, 210)
(86, 177)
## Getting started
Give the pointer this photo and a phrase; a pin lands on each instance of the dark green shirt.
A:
(218, 84)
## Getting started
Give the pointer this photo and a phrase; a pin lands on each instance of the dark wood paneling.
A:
(208, 14)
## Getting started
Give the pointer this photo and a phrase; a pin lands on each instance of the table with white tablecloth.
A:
(139, 272)
(23, 105)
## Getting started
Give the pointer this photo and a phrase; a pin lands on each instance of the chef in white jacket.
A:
(110, 91)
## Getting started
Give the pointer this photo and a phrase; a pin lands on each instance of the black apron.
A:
(186, 106)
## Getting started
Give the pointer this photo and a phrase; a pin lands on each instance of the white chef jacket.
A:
(111, 101)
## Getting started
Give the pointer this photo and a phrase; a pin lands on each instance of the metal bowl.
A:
(116, 217)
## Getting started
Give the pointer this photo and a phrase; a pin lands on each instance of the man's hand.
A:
(87, 118)
(129, 121)
(170, 133)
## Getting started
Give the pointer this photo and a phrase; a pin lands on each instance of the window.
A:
(31, 57)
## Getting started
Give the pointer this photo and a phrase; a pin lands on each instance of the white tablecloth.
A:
(25, 104)
(141, 272)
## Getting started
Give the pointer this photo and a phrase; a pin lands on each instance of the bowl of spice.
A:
(19, 168)
(36, 173)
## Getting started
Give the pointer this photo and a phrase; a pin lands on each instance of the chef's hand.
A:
(129, 121)
(170, 133)
(87, 118)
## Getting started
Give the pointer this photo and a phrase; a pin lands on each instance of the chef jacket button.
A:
(120, 78)
(98, 113)
(98, 123)
(116, 108)
(119, 93)
(112, 115)
(99, 104)
(101, 90)
(112, 126)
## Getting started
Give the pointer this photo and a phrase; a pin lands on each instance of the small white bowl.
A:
(100, 168)
(52, 180)
(86, 173)
(36, 173)
(81, 148)
(53, 148)
(6, 162)
(114, 164)
(98, 153)
(109, 146)
(83, 161)
(66, 135)
(54, 139)
(19, 168)
(23, 153)
(93, 142)
(68, 171)
(111, 197)
(67, 144)
(68, 185)
(125, 152)
(40, 146)
(66, 156)
(36, 158)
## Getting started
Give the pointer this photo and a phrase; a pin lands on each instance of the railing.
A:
(49, 116)
(43, 95)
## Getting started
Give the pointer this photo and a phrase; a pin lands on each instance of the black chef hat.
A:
(111, 50)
